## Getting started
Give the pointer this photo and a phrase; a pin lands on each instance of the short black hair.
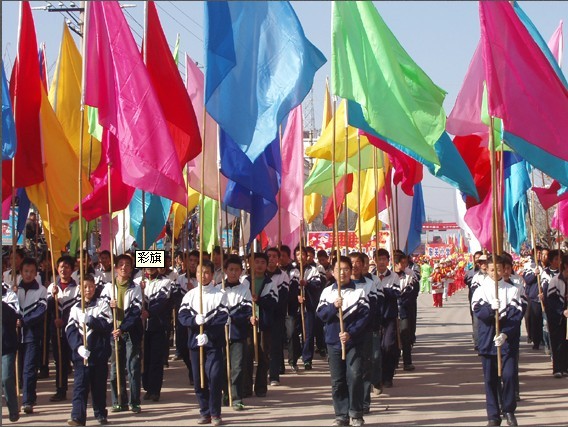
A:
(286, 250)
(207, 264)
(121, 257)
(302, 249)
(66, 259)
(382, 252)
(234, 259)
(273, 249)
(261, 255)
(357, 255)
(398, 257)
(498, 259)
(194, 253)
(552, 254)
(88, 278)
(507, 258)
(344, 259)
(322, 252)
(29, 261)
(105, 252)
(311, 250)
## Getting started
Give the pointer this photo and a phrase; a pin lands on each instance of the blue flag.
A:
(452, 169)
(260, 66)
(8, 125)
(252, 186)
(23, 209)
(417, 218)
(157, 212)
(517, 183)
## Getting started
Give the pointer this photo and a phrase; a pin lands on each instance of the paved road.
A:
(446, 388)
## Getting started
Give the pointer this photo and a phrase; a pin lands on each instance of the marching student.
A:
(10, 316)
(156, 316)
(389, 283)
(104, 271)
(32, 298)
(557, 311)
(65, 292)
(410, 288)
(90, 376)
(213, 316)
(127, 335)
(265, 295)
(239, 301)
(437, 286)
(312, 282)
(508, 304)
(292, 314)
(347, 390)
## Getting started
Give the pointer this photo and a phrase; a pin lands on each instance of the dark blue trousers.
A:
(389, 349)
(155, 347)
(347, 389)
(91, 378)
(63, 364)
(29, 356)
(308, 350)
(209, 398)
(508, 400)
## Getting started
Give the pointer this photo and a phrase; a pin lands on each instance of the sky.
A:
(440, 36)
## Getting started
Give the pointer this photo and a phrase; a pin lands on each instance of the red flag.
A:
(548, 197)
(474, 152)
(25, 90)
(340, 195)
(118, 84)
(171, 91)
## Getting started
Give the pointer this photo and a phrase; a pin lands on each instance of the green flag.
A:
(369, 66)
(319, 180)
(176, 50)
(210, 223)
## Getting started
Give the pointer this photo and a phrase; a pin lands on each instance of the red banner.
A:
(324, 240)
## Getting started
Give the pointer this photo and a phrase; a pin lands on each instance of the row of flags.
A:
(149, 136)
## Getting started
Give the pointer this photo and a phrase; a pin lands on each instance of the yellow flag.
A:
(65, 98)
(312, 207)
(322, 149)
(61, 167)
(327, 110)
(180, 212)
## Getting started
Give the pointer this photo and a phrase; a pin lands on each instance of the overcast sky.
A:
(440, 37)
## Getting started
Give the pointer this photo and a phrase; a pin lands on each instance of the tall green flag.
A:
(369, 66)
(210, 223)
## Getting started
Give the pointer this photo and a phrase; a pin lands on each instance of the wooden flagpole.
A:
(376, 179)
(495, 232)
(201, 248)
(359, 247)
(345, 173)
(335, 224)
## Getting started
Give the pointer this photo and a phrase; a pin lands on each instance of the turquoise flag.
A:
(157, 212)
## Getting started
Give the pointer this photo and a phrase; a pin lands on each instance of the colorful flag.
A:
(369, 66)
(256, 52)
(8, 126)
(291, 188)
(25, 90)
(550, 196)
(516, 206)
(478, 218)
(119, 85)
(417, 218)
(343, 187)
(534, 105)
(556, 45)
(172, 95)
(210, 224)
(560, 218)
(157, 211)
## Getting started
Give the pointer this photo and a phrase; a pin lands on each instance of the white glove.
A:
(537, 270)
(228, 321)
(83, 352)
(495, 304)
(202, 340)
(500, 339)
(199, 319)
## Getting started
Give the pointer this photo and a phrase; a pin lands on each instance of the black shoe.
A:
(14, 418)
(340, 422)
(366, 411)
(511, 419)
(28, 409)
(409, 367)
(74, 422)
(308, 366)
(43, 373)
(494, 423)
(147, 396)
(293, 366)
(387, 384)
(204, 419)
(260, 394)
(103, 421)
(58, 397)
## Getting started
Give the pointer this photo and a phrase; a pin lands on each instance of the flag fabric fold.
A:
(172, 95)
(9, 143)
(515, 207)
(119, 85)
(550, 196)
(369, 66)
(256, 52)
(157, 211)
(417, 218)
(343, 187)
(560, 218)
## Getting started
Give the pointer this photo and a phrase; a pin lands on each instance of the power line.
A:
(189, 17)
(183, 26)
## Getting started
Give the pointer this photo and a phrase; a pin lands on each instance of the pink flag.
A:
(291, 188)
(105, 232)
(119, 85)
(195, 83)
(560, 218)
(465, 118)
(556, 44)
(548, 197)
(478, 218)
(523, 88)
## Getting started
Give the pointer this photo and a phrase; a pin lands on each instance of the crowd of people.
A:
(275, 308)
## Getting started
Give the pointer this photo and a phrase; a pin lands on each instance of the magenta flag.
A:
(105, 232)
(478, 218)
(291, 185)
(548, 197)
(119, 85)
(523, 88)
(560, 218)
(465, 118)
